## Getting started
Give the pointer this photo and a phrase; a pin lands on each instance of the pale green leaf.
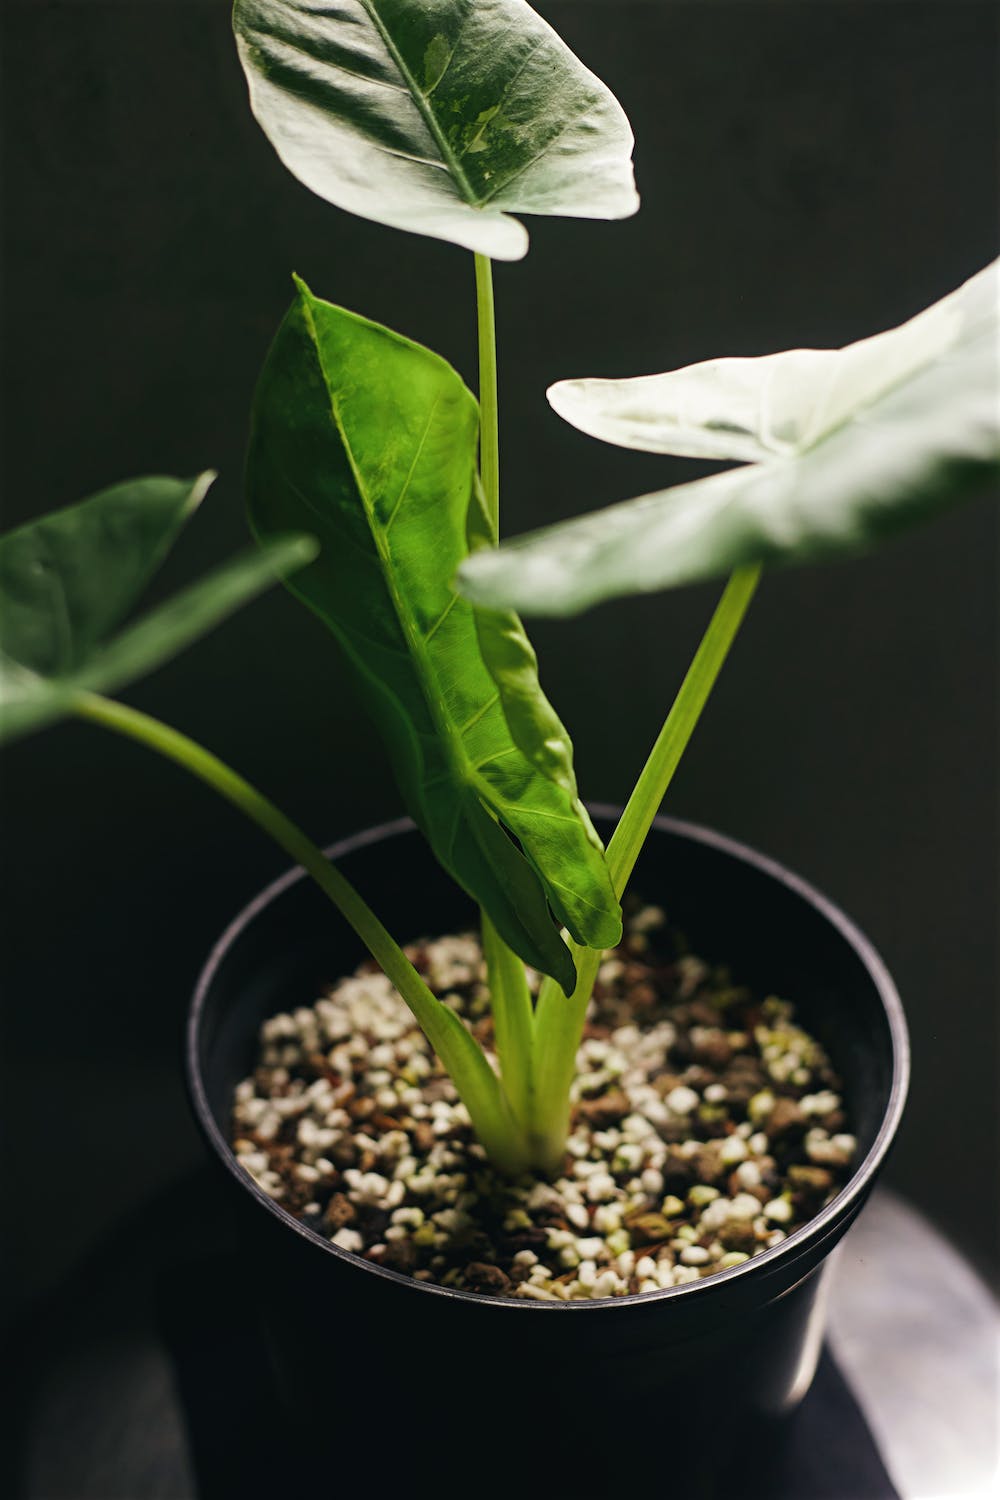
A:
(444, 117)
(844, 447)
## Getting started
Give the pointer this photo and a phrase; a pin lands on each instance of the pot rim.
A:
(808, 1236)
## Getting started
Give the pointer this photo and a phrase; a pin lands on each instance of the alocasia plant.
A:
(373, 483)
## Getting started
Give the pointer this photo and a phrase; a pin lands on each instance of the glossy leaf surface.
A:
(370, 441)
(444, 117)
(68, 580)
(841, 447)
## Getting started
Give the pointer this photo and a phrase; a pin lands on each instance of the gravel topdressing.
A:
(706, 1127)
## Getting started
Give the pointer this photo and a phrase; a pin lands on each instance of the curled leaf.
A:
(842, 448)
(370, 441)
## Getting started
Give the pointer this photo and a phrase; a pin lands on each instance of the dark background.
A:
(811, 173)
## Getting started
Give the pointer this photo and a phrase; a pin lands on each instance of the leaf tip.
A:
(289, 551)
(200, 487)
(468, 579)
(566, 978)
(302, 549)
(505, 239)
(563, 396)
(301, 288)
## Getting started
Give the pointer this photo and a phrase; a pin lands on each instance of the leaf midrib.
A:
(422, 103)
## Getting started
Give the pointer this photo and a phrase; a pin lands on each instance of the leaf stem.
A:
(513, 1022)
(680, 723)
(464, 1059)
(559, 1021)
(489, 433)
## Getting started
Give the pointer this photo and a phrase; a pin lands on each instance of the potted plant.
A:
(373, 485)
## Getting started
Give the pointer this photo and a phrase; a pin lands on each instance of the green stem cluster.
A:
(537, 1046)
(559, 1022)
(521, 1114)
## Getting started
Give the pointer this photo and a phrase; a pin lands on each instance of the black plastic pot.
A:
(703, 1359)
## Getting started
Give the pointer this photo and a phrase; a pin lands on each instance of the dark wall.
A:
(811, 172)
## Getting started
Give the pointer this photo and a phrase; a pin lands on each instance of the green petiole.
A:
(514, 1024)
(464, 1059)
(559, 1021)
(672, 741)
(489, 431)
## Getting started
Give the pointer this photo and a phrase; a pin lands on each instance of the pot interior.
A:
(773, 932)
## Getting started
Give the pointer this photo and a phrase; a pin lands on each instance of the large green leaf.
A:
(370, 441)
(443, 117)
(842, 447)
(69, 579)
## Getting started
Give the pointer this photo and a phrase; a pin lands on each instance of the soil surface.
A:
(706, 1127)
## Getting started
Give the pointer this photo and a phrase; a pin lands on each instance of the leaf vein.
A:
(442, 616)
(502, 187)
(480, 713)
(504, 92)
(387, 525)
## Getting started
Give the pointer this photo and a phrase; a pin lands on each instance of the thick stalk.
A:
(680, 723)
(510, 999)
(464, 1059)
(513, 1023)
(559, 1021)
(489, 430)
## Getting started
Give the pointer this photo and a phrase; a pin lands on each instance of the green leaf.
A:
(844, 447)
(69, 579)
(510, 657)
(444, 117)
(370, 441)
